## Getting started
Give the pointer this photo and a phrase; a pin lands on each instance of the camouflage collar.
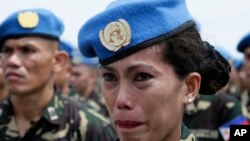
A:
(55, 109)
(186, 135)
(6, 110)
(93, 95)
(53, 112)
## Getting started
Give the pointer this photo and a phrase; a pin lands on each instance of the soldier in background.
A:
(62, 77)
(29, 42)
(233, 85)
(244, 47)
(208, 113)
(85, 80)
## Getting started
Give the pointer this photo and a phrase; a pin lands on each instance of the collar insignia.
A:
(52, 113)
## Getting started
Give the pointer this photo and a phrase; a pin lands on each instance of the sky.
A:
(222, 22)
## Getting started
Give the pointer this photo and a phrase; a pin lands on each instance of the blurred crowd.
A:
(79, 81)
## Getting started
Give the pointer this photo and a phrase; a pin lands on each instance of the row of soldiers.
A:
(48, 91)
(207, 115)
(79, 80)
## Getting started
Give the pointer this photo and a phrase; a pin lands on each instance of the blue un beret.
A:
(66, 46)
(77, 58)
(127, 26)
(238, 63)
(224, 53)
(33, 22)
(244, 43)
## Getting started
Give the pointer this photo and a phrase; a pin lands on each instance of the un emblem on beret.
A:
(115, 35)
(28, 19)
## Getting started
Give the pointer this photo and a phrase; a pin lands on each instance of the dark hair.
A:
(187, 53)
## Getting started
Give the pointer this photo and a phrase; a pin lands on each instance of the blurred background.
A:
(222, 22)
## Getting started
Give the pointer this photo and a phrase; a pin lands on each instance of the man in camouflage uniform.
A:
(244, 96)
(207, 113)
(62, 78)
(85, 80)
(62, 120)
(78, 80)
(33, 112)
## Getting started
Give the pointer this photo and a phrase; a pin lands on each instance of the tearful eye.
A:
(27, 50)
(109, 77)
(143, 77)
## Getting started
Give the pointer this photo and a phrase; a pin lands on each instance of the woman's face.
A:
(144, 97)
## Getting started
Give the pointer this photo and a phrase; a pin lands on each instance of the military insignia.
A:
(28, 19)
(230, 105)
(115, 35)
(203, 105)
(52, 113)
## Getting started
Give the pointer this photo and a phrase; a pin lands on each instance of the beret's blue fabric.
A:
(126, 26)
(244, 42)
(31, 22)
(66, 46)
(77, 58)
(224, 53)
(238, 63)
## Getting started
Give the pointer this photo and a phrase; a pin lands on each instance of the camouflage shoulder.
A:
(92, 126)
(231, 105)
(186, 135)
(208, 98)
(228, 98)
(98, 128)
(1, 108)
(5, 108)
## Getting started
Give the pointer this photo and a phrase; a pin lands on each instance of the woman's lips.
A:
(128, 124)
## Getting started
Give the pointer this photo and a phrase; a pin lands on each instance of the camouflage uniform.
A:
(63, 120)
(209, 113)
(72, 94)
(245, 103)
(96, 102)
(185, 135)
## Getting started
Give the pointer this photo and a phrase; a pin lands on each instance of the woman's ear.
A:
(193, 82)
(61, 60)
